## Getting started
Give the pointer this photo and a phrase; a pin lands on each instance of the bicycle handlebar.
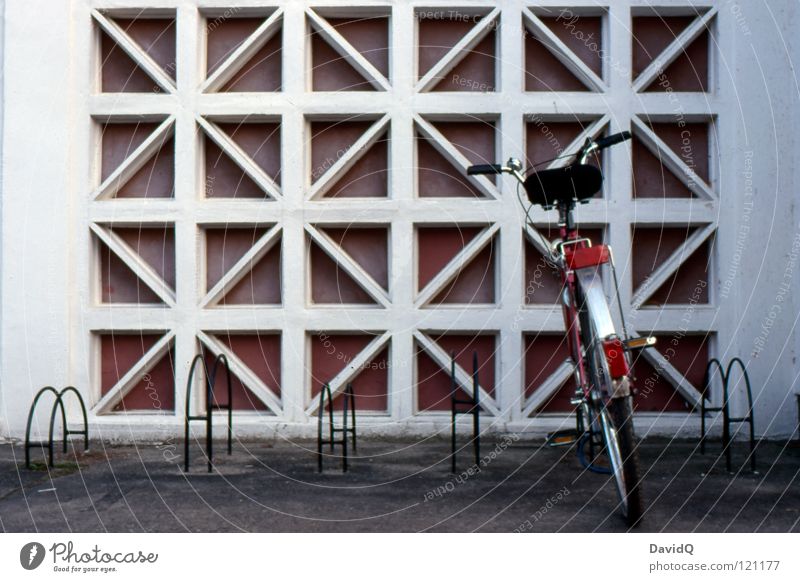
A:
(485, 169)
(605, 142)
(515, 167)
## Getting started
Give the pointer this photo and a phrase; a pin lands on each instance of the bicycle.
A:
(603, 398)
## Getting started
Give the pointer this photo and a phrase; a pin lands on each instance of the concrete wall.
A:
(50, 318)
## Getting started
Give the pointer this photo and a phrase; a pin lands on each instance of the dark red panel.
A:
(119, 141)
(688, 354)
(119, 73)
(544, 72)
(224, 36)
(225, 179)
(156, 36)
(433, 383)
(437, 246)
(262, 285)
(689, 141)
(475, 72)
(261, 142)
(475, 283)
(367, 178)
(156, 178)
(652, 34)
(544, 353)
(436, 36)
(331, 353)
(155, 245)
(369, 36)
(118, 284)
(369, 247)
(155, 390)
(224, 247)
(330, 140)
(583, 36)
(651, 179)
(331, 72)
(331, 284)
(474, 140)
(438, 178)
(263, 72)
(651, 247)
(261, 353)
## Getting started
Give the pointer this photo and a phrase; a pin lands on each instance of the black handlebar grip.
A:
(605, 142)
(485, 169)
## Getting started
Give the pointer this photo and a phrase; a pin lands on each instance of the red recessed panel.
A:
(686, 353)
(332, 72)
(434, 384)
(261, 142)
(475, 283)
(689, 283)
(224, 36)
(261, 353)
(583, 36)
(369, 36)
(369, 247)
(651, 178)
(118, 284)
(436, 36)
(544, 353)
(652, 35)
(156, 178)
(437, 246)
(544, 72)
(119, 73)
(263, 72)
(155, 390)
(475, 72)
(225, 179)
(367, 178)
(330, 283)
(689, 141)
(262, 283)
(155, 245)
(331, 353)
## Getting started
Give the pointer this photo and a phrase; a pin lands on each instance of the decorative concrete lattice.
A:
(287, 186)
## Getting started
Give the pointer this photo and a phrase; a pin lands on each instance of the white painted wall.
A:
(45, 177)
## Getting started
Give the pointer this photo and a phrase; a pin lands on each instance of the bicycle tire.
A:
(621, 412)
(619, 438)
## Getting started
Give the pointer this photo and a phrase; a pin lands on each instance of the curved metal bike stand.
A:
(58, 404)
(706, 396)
(348, 402)
(474, 410)
(211, 406)
(727, 420)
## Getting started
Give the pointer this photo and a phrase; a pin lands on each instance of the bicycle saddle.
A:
(549, 188)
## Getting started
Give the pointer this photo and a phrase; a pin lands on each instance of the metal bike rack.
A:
(727, 420)
(211, 406)
(348, 402)
(474, 410)
(58, 404)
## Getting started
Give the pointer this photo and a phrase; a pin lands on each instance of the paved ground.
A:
(393, 486)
